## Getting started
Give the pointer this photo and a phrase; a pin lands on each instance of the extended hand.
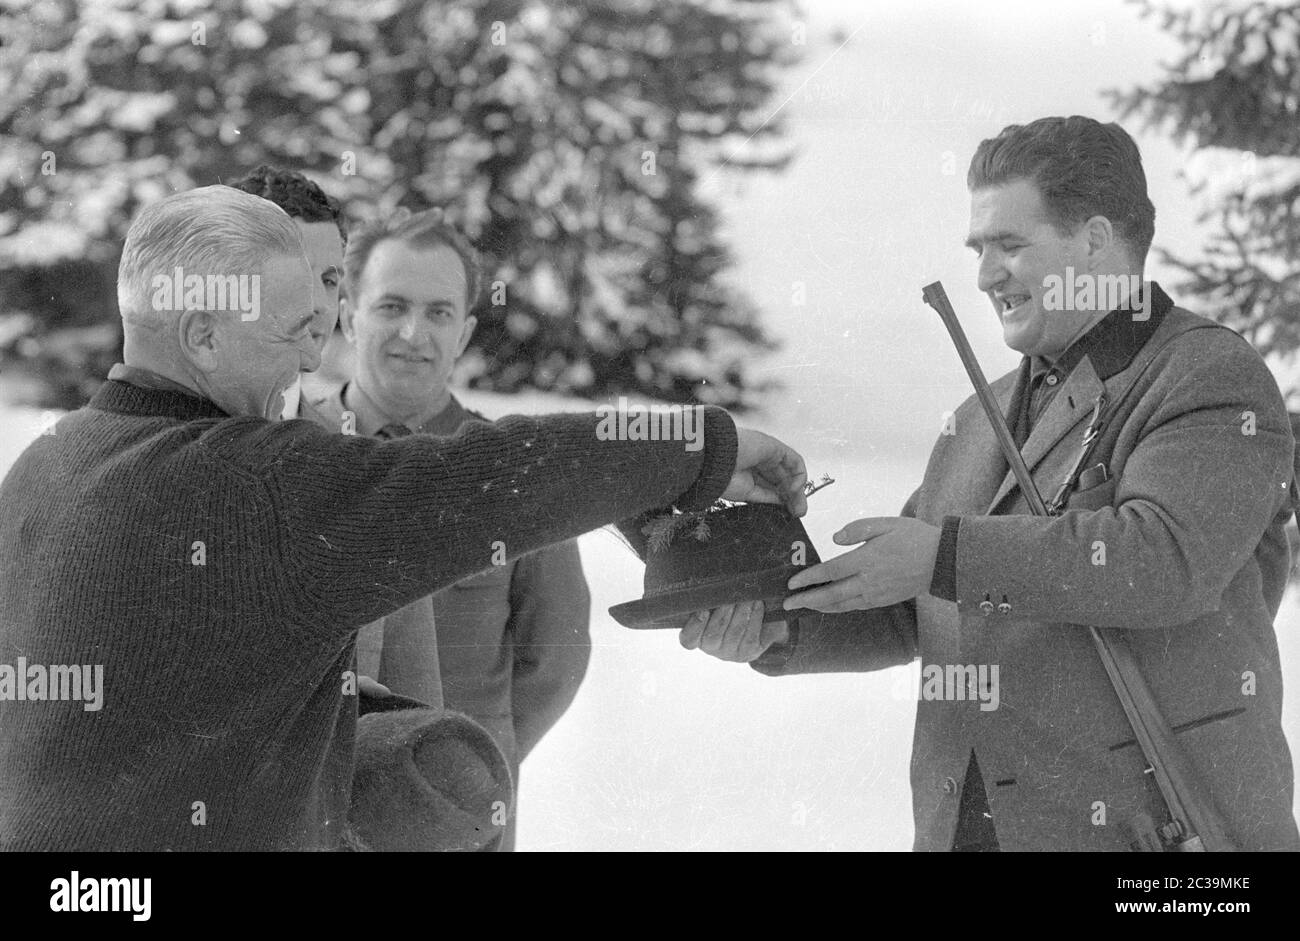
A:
(767, 471)
(894, 563)
(733, 632)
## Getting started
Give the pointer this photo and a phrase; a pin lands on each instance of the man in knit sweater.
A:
(217, 563)
(410, 658)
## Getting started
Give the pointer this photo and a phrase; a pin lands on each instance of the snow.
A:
(669, 749)
(1225, 172)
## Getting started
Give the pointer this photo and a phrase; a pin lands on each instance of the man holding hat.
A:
(1168, 440)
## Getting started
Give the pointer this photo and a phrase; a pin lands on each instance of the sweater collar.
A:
(131, 390)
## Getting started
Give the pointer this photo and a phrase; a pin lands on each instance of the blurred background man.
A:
(320, 223)
(413, 650)
(513, 641)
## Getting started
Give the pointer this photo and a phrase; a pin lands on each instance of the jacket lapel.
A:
(1072, 404)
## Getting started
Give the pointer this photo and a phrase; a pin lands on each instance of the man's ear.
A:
(345, 320)
(466, 333)
(1100, 240)
(196, 335)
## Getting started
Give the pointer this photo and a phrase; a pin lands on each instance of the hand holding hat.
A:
(894, 563)
(735, 632)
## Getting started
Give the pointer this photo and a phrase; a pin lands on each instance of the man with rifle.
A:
(1130, 621)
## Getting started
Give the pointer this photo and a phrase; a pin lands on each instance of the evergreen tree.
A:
(1235, 95)
(568, 139)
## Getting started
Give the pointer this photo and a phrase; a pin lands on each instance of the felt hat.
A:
(745, 552)
(427, 779)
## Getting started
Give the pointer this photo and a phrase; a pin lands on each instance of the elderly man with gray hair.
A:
(218, 563)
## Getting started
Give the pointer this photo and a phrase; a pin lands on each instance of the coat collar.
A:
(1073, 402)
(1106, 350)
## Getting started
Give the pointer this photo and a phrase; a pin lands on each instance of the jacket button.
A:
(1005, 606)
(949, 786)
(986, 607)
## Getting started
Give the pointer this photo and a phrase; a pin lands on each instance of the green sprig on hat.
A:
(661, 530)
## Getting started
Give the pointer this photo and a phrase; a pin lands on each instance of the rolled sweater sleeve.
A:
(366, 526)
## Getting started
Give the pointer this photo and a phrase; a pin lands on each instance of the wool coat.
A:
(1180, 546)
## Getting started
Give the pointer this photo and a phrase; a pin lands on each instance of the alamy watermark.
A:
(958, 682)
(85, 894)
(181, 291)
(626, 422)
(34, 682)
(1093, 292)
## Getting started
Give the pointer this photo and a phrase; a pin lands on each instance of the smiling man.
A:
(1172, 532)
(512, 642)
(413, 653)
(218, 562)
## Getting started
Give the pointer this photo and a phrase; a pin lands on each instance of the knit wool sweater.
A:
(218, 568)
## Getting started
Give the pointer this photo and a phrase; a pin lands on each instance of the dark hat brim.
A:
(670, 610)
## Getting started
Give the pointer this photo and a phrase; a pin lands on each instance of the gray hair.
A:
(210, 231)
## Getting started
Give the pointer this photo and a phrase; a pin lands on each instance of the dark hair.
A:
(1082, 168)
(421, 229)
(294, 193)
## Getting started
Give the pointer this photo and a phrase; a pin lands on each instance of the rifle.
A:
(1194, 822)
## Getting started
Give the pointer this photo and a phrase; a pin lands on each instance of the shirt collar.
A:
(1112, 342)
(370, 417)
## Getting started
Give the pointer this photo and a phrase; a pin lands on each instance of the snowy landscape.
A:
(669, 749)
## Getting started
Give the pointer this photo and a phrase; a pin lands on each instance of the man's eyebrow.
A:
(975, 240)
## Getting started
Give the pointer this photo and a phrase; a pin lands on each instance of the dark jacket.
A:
(513, 642)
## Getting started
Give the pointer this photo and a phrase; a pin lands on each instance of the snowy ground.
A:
(669, 749)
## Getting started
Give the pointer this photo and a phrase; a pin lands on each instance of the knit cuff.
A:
(720, 446)
(943, 584)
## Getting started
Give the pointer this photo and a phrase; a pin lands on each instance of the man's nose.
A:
(309, 355)
(318, 298)
(992, 272)
(409, 329)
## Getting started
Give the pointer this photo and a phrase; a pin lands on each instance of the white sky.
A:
(866, 214)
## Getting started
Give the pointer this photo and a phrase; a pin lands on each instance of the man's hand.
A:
(733, 632)
(894, 563)
(767, 471)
